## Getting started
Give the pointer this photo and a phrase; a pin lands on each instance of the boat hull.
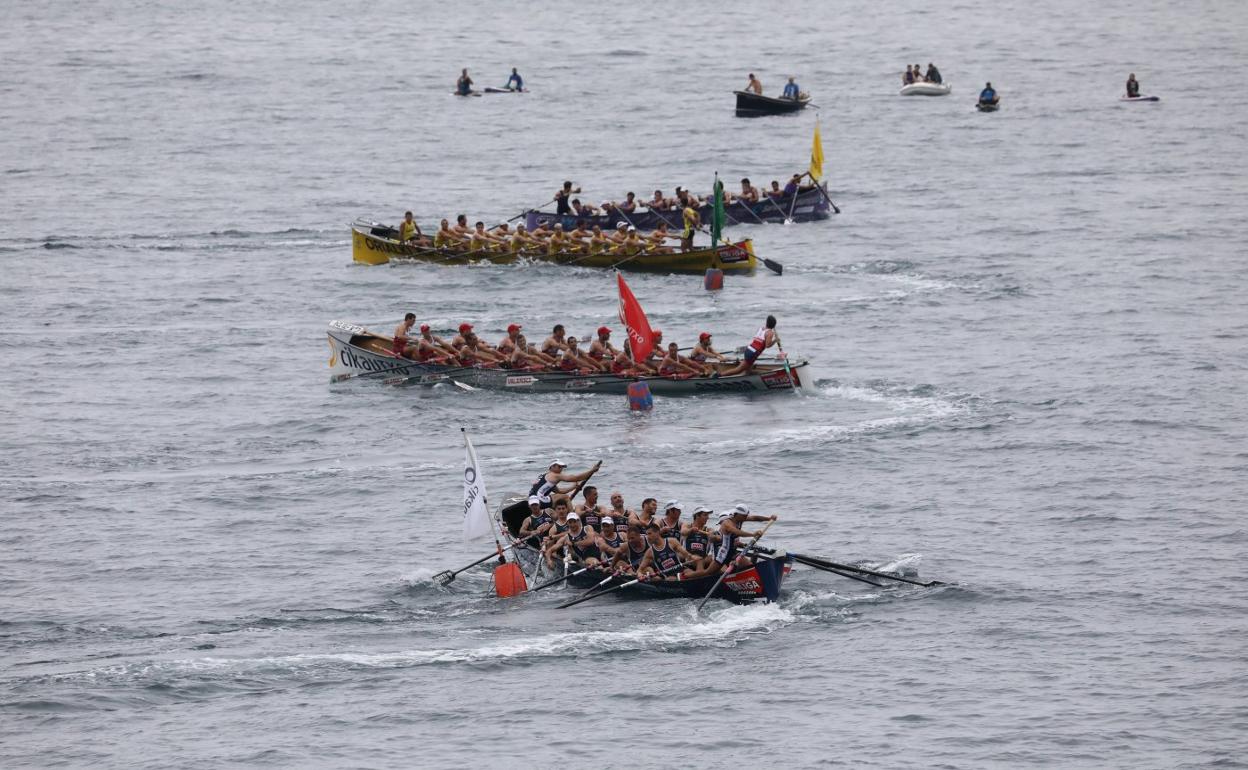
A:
(354, 351)
(811, 205)
(370, 248)
(1139, 98)
(927, 89)
(739, 587)
(752, 105)
(987, 106)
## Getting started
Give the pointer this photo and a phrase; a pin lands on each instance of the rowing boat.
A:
(811, 205)
(1139, 98)
(927, 89)
(752, 105)
(355, 351)
(760, 581)
(376, 244)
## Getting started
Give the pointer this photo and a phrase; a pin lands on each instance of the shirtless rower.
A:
(408, 229)
(658, 202)
(764, 338)
(730, 532)
(748, 192)
(556, 343)
(536, 357)
(754, 86)
(460, 228)
(601, 349)
(664, 556)
(673, 364)
(657, 240)
(401, 341)
(547, 484)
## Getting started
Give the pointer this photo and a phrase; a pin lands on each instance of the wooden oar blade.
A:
(773, 266)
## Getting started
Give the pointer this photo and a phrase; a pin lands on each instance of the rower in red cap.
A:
(509, 344)
(703, 352)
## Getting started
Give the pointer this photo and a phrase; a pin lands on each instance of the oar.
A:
(772, 201)
(750, 209)
(820, 566)
(446, 576)
(539, 208)
(770, 264)
(792, 205)
(613, 589)
(559, 579)
(787, 372)
(824, 193)
(864, 571)
(729, 569)
(353, 375)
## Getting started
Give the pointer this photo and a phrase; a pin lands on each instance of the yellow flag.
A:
(816, 156)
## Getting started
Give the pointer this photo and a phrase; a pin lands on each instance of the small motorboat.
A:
(1140, 98)
(927, 89)
(988, 106)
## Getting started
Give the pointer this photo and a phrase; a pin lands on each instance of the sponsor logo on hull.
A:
(578, 384)
(777, 380)
(519, 381)
(347, 327)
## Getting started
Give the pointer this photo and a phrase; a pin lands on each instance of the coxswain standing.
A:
(548, 483)
(692, 221)
(754, 85)
(563, 197)
(764, 338)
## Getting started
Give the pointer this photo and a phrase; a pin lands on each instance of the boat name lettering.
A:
(777, 380)
(368, 363)
(516, 382)
(389, 248)
(578, 384)
(733, 253)
(347, 327)
(744, 585)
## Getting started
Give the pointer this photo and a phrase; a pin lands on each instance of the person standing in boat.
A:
(754, 85)
(515, 82)
(791, 89)
(463, 86)
(764, 338)
(692, 221)
(988, 95)
(548, 483)
(1133, 86)
(401, 341)
(562, 205)
(933, 74)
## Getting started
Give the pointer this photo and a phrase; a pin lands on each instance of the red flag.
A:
(640, 339)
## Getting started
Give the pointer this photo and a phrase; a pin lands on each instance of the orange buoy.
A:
(639, 398)
(714, 280)
(509, 580)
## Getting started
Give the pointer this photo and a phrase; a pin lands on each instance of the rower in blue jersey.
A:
(515, 82)
(730, 532)
(665, 557)
(538, 523)
(610, 541)
(591, 511)
(547, 484)
(581, 541)
(698, 540)
(628, 558)
(791, 90)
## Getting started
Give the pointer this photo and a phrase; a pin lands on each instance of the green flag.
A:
(717, 212)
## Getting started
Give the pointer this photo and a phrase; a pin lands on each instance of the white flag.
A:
(476, 515)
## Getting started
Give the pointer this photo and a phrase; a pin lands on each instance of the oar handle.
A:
(634, 581)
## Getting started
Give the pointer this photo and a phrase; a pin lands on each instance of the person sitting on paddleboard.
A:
(515, 82)
(1133, 86)
(729, 551)
(764, 338)
(664, 556)
(400, 344)
(754, 85)
(548, 483)
(988, 95)
(791, 90)
(463, 86)
(933, 74)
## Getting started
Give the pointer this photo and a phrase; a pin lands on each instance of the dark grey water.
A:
(1029, 330)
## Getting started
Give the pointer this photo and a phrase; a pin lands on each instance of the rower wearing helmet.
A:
(730, 533)
(548, 483)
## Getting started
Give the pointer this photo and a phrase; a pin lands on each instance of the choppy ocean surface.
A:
(1029, 331)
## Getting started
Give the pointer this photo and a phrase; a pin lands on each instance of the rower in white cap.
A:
(548, 483)
(670, 525)
(730, 531)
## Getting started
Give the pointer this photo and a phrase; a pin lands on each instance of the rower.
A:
(665, 555)
(630, 203)
(670, 524)
(692, 221)
(460, 228)
(619, 236)
(574, 359)
(601, 348)
(632, 243)
(793, 186)
(399, 346)
(547, 484)
(649, 507)
(515, 82)
(754, 85)
(988, 95)
(557, 243)
(583, 209)
(559, 525)
(463, 86)
(791, 90)
(749, 193)
(657, 242)
(703, 351)
(1133, 86)
(576, 238)
(561, 198)
(408, 229)
(775, 191)
(619, 513)
(764, 338)
(933, 74)
(509, 343)
(432, 349)
(658, 202)
(582, 540)
(730, 533)
(698, 539)
(673, 364)
(610, 541)
(628, 558)
(590, 510)
(444, 237)
(598, 242)
(480, 240)
(538, 523)
(555, 343)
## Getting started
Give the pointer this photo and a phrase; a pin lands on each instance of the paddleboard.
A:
(493, 90)
(471, 93)
(1139, 98)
